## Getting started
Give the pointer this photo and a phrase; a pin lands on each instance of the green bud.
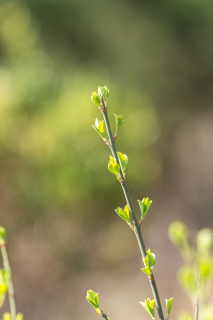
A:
(92, 297)
(96, 99)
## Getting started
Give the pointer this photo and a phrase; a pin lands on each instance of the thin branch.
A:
(197, 310)
(11, 297)
(128, 200)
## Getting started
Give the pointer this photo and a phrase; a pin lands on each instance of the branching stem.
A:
(128, 200)
(11, 297)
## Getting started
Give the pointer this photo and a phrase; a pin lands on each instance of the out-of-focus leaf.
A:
(204, 241)
(2, 235)
(187, 277)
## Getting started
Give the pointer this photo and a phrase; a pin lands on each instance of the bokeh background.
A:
(57, 196)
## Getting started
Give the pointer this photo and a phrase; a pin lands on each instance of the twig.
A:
(128, 200)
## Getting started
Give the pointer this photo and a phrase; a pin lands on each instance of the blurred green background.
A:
(56, 194)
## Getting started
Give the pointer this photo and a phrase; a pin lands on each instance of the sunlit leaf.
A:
(123, 159)
(144, 206)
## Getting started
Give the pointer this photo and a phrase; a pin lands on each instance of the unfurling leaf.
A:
(149, 307)
(99, 127)
(144, 206)
(124, 213)
(169, 306)
(149, 262)
(118, 121)
(151, 257)
(123, 160)
(96, 99)
(113, 166)
(92, 297)
(104, 92)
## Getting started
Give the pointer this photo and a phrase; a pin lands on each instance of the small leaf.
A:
(92, 297)
(19, 316)
(169, 306)
(99, 127)
(123, 213)
(149, 307)
(123, 159)
(151, 257)
(118, 121)
(113, 166)
(104, 92)
(144, 206)
(2, 235)
(96, 99)
(148, 271)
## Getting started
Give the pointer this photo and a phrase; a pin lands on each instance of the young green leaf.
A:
(118, 121)
(151, 257)
(99, 127)
(148, 271)
(2, 235)
(124, 213)
(113, 166)
(169, 306)
(123, 159)
(149, 307)
(104, 92)
(96, 99)
(144, 206)
(92, 297)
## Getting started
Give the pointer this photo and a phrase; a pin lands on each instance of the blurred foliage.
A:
(195, 276)
(49, 154)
